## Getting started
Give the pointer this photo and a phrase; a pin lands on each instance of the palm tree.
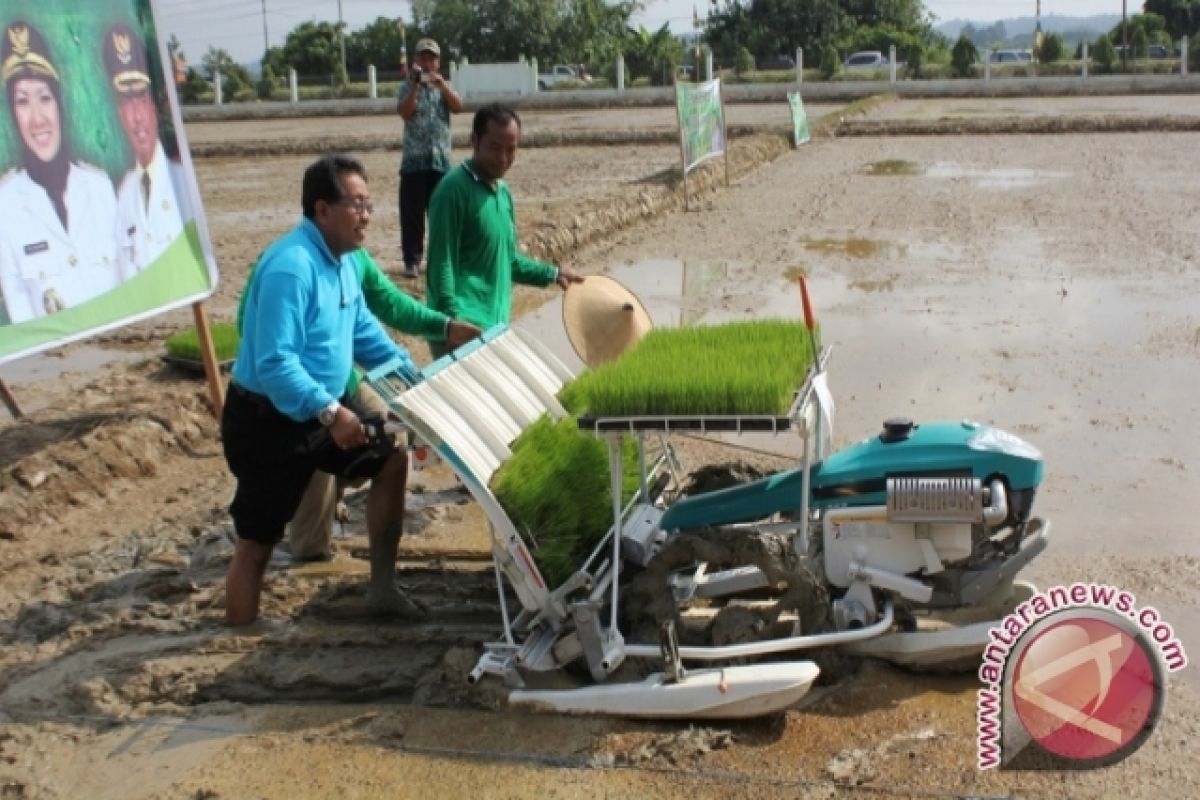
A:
(653, 54)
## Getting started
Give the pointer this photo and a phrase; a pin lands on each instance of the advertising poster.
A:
(100, 216)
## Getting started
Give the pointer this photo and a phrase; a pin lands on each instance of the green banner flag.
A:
(800, 132)
(701, 121)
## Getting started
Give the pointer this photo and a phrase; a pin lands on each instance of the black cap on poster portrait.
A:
(126, 60)
(25, 54)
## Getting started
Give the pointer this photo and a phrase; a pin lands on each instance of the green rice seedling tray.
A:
(736, 377)
(183, 347)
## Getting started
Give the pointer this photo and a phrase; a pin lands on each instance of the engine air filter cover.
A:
(934, 500)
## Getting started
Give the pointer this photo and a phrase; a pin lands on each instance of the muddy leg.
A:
(385, 524)
(243, 583)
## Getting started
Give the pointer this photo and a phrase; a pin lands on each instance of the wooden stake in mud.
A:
(216, 387)
(10, 402)
(810, 320)
(682, 150)
(724, 129)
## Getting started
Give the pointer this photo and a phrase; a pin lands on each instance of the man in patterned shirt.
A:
(426, 102)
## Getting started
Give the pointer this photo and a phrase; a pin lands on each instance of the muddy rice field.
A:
(1047, 283)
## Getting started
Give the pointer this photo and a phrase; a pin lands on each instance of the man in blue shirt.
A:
(305, 325)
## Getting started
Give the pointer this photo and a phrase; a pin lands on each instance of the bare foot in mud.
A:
(395, 603)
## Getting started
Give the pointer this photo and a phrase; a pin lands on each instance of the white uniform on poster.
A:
(45, 267)
(145, 230)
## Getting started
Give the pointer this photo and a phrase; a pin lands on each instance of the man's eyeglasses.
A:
(357, 204)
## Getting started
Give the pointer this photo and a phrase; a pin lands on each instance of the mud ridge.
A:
(1018, 125)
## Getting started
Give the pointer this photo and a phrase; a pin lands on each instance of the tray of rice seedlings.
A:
(738, 374)
(556, 490)
(183, 347)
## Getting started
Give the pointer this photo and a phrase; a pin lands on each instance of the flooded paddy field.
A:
(1044, 284)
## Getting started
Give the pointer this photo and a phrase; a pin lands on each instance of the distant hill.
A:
(1021, 28)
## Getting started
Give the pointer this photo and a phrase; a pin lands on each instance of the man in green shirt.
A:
(310, 533)
(473, 258)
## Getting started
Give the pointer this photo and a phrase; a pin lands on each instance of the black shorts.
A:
(274, 457)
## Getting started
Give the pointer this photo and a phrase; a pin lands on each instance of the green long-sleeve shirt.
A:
(473, 258)
(394, 308)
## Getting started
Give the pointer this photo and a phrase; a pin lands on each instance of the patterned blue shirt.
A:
(427, 134)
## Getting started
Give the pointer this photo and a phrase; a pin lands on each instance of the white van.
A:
(866, 60)
(1012, 57)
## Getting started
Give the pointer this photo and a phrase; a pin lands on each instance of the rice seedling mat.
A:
(732, 378)
(183, 347)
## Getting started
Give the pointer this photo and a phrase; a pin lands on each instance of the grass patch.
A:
(738, 368)
(854, 248)
(555, 488)
(795, 272)
(882, 285)
(894, 166)
(186, 343)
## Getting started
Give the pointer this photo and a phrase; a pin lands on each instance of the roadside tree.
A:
(831, 63)
(1180, 17)
(235, 81)
(653, 55)
(744, 63)
(377, 44)
(1104, 54)
(1052, 49)
(963, 56)
(312, 48)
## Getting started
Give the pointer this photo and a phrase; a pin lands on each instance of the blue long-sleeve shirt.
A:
(305, 325)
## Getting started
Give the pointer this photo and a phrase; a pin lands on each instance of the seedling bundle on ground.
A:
(185, 345)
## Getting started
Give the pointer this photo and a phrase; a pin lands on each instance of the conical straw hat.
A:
(603, 319)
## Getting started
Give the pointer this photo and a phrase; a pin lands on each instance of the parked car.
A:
(1158, 51)
(777, 62)
(865, 60)
(562, 73)
(1012, 57)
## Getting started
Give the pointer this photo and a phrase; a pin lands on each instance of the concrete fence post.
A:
(293, 85)
(892, 63)
(708, 70)
(371, 80)
(799, 65)
(217, 86)
(987, 65)
(620, 72)
(1183, 55)
(533, 69)
(1084, 56)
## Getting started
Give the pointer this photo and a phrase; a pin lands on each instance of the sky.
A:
(237, 25)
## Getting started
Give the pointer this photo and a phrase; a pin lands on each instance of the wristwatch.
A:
(328, 414)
